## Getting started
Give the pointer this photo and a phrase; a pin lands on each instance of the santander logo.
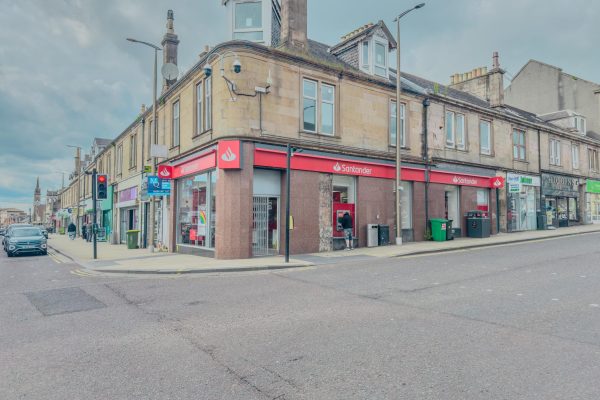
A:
(337, 167)
(165, 173)
(229, 155)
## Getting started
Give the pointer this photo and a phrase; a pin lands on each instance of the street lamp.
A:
(399, 129)
(154, 134)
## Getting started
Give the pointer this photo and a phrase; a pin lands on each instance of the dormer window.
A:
(580, 124)
(247, 20)
(374, 57)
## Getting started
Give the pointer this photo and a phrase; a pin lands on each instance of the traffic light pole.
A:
(95, 204)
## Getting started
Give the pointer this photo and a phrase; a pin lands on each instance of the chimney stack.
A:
(169, 43)
(294, 24)
(479, 82)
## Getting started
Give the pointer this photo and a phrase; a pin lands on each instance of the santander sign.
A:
(165, 172)
(352, 169)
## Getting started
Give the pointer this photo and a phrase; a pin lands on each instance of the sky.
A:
(67, 74)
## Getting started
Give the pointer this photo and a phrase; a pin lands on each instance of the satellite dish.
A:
(169, 71)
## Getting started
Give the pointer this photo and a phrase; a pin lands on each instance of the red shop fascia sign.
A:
(309, 162)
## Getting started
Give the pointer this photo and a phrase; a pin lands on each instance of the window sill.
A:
(520, 161)
(490, 155)
(323, 135)
(196, 136)
(174, 148)
(463, 150)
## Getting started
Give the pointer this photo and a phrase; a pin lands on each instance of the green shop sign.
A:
(593, 186)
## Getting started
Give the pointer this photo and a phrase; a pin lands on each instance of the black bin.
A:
(384, 235)
(449, 231)
(478, 224)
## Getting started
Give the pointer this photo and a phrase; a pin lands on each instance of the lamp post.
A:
(399, 129)
(154, 134)
(289, 153)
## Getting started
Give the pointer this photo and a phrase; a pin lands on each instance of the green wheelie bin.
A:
(438, 229)
(132, 239)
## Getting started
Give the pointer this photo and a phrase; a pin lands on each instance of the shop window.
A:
(572, 209)
(455, 130)
(485, 137)
(519, 149)
(248, 21)
(196, 211)
(394, 121)
(344, 189)
(483, 199)
(406, 204)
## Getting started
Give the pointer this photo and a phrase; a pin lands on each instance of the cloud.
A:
(67, 74)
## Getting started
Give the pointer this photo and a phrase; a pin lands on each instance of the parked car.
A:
(9, 230)
(26, 240)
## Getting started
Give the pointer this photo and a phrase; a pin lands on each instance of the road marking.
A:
(554, 273)
(519, 294)
(489, 290)
(554, 299)
(595, 305)
(83, 273)
(583, 276)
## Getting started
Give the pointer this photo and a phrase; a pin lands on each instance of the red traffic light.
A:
(102, 178)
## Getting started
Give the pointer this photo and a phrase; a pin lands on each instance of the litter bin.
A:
(449, 231)
(372, 235)
(132, 239)
(384, 235)
(478, 224)
(438, 229)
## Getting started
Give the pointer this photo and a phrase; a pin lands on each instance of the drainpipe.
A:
(425, 156)
(540, 218)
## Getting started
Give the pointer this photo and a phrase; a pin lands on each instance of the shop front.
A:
(105, 219)
(523, 202)
(561, 200)
(194, 192)
(324, 186)
(128, 211)
(592, 201)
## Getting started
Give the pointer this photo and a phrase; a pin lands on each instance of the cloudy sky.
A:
(67, 74)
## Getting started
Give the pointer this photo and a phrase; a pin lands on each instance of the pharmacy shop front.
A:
(592, 200)
(523, 195)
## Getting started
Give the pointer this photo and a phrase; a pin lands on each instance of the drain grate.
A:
(63, 301)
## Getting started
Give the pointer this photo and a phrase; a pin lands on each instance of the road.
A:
(509, 322)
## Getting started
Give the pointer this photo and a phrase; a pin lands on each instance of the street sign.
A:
(158, 187)
(147, 169)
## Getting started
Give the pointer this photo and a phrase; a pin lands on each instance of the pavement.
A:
(495, 323)
(119, 259)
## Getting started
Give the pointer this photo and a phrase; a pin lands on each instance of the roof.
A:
(365, 31)
(102, 141)
(553, 116)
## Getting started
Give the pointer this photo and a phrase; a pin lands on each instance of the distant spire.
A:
(37, 185)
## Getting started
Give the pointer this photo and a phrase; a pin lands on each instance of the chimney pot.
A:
(294, 24)
(495, 61)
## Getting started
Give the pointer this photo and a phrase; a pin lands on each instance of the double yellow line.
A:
(83, 273)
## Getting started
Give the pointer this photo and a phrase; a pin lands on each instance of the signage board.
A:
(165, 172)
(317, 163)
(592, 186)
(196, 165)
(159, 150)
(229, 155)
(147, 169)
(158, 187)
(560, 185)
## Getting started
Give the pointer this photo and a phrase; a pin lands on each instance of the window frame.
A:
(175, 124)
(593, 159)
(454, 144)
(365, 66)
(575, 155)
(517, 146)
(316, 106)
(580, 124)
(489, 150)
(208, 121)
(199, 109)
(235, 30)
(133, 151)
(403, 141)
(333, 110)
(119, 156)
(554, 152)
(385, 45)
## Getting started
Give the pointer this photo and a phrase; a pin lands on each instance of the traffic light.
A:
(101, 187)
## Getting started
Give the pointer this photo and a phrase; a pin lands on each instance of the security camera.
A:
(207, 70)
(237, 66)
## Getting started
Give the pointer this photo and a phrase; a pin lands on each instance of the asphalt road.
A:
(509, 322)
